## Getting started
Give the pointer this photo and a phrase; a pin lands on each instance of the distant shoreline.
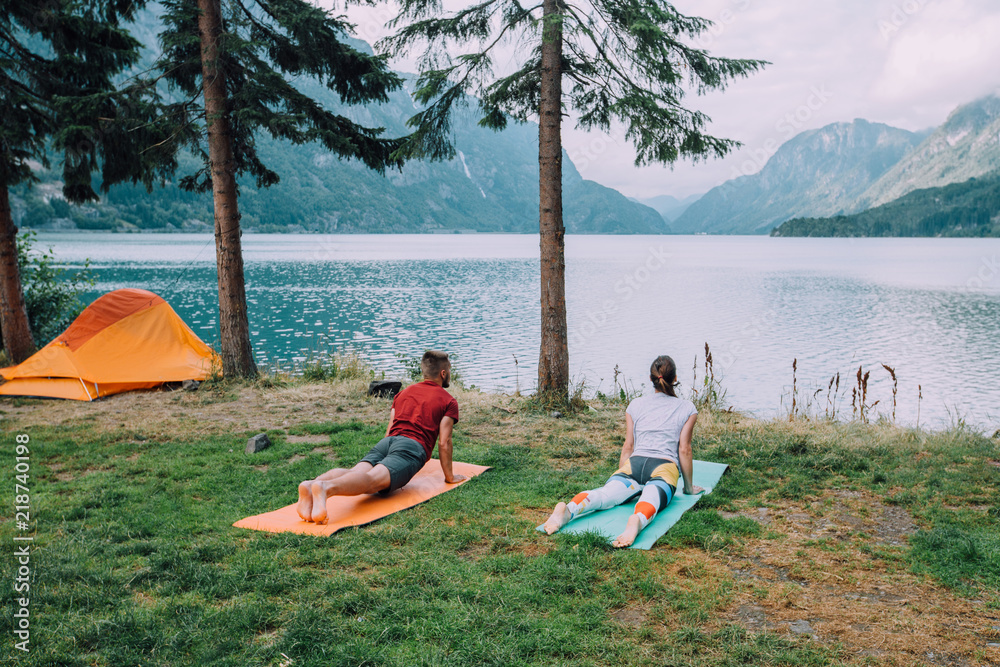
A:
(448, 232)
(472, 232)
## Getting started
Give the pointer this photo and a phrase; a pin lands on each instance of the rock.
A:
(893, 526)
(384, 388)
(800, 628)
(190, 385)
(752, 618)
(556, 414)
(633, 617)
(258, 443)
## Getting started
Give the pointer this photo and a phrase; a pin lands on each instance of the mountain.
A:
(971, 208)
(670, 208)
(967, 145)
(490, 186)
(816, 173)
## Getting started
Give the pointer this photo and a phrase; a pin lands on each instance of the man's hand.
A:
(455, 479)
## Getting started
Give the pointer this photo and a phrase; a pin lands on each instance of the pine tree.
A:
(626, 62)
(58, 63)
(239, 58)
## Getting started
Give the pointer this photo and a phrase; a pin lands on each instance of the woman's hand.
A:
(694, 491)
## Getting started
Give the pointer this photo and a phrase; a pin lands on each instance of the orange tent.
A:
(127, 339)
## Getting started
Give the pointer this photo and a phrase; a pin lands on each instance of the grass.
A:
(136, 562)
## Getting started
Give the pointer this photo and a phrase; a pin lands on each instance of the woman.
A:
(657, 448)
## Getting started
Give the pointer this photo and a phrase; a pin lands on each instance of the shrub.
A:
(51, 294)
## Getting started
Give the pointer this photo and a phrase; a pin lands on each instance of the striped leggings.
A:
(654, 481)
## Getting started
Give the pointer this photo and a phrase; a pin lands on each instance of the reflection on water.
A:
(930, 308)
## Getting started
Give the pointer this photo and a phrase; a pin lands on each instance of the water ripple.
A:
(832, 304)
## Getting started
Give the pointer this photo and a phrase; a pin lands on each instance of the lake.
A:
(929, 308)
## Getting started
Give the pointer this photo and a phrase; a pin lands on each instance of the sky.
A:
(906, 63)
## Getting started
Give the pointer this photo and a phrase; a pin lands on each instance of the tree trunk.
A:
(553, 358)
(14, 325)
(234, 330)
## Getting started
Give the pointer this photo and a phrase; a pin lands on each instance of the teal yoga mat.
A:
(611, 523)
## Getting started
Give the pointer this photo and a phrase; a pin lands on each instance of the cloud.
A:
(934, 56)
(946, 52)
(907, 63)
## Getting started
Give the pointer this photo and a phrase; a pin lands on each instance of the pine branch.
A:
(434, 86)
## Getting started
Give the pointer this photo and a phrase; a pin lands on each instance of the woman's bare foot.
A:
(628, 537)
(319, 502)
(305, 506)
(560, 516)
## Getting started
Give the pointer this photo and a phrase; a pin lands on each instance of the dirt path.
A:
(822, 580)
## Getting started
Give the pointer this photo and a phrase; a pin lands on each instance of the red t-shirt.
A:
(419, 411)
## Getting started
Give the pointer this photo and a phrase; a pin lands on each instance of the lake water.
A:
(930, 308)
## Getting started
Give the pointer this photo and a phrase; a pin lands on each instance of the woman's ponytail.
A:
(663, 374)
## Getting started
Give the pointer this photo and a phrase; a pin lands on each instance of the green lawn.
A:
(135, 560)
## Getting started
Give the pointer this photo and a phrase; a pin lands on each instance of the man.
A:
(419, 414)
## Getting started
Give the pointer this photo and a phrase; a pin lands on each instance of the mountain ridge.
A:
(816, 172)
(820, 174)
(965, 146)
(669, 207)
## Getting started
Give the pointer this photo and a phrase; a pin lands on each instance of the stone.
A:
(893, 526)
(384, 388)
(556, 414)
(800, 628)
(190, 385)
(633, 617)
(752, 618)
(258, 443)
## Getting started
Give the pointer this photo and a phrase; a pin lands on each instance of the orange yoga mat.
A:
(346, 511)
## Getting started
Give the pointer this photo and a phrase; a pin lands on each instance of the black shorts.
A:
(643, 469)
(402, 456)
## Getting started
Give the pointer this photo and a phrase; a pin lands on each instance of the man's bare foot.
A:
(319, 502)
(628, 537)
(559, 518)
(305, 506)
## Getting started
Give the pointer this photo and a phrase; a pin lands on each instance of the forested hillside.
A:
(490, 186)
(971, 208)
